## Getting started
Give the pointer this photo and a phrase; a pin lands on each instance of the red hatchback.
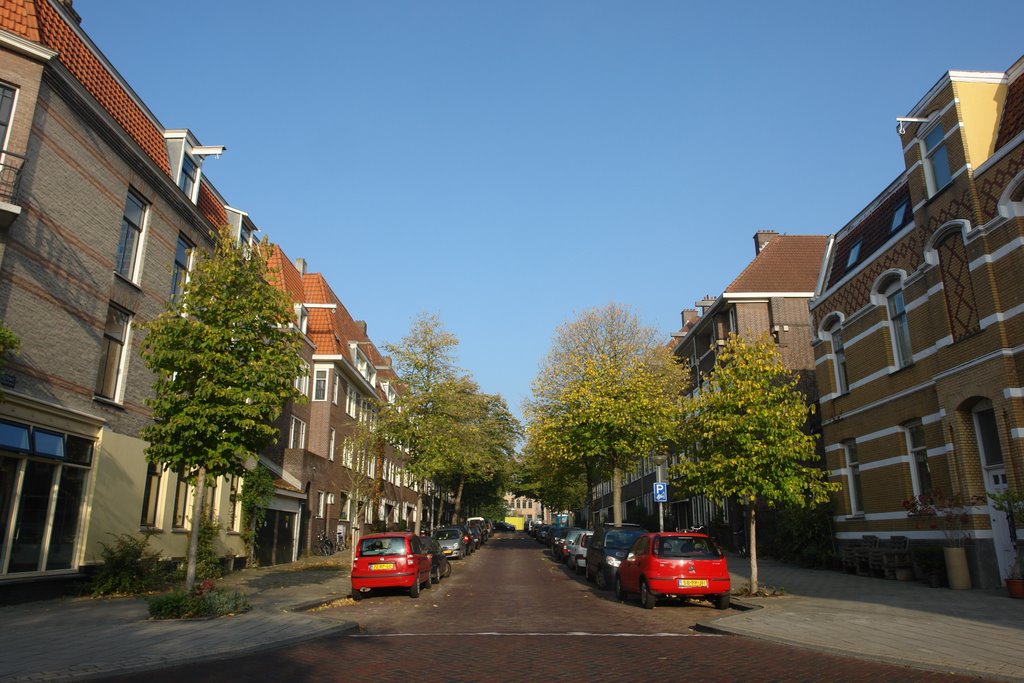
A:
(391, 560)
(674, 565)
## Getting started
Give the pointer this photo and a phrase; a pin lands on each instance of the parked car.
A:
(674, 565)
(503, 526)
(480, 528)
(558, 543)
(390, 560)
(453, 541)
(607, 549)
(571, 534)
(544, 533)
(475, 538)
(439, 567)
(576, 551)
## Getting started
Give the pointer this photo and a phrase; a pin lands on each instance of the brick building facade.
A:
(917, 325)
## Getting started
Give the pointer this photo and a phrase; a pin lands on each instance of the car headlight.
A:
(612, 561)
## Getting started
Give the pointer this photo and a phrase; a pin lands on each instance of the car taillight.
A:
(465, 539)
(411, 560)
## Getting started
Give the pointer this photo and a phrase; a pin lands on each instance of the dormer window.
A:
(901, 216)
(301, 318)
(187, 177)
(936, 166)
(854, 256)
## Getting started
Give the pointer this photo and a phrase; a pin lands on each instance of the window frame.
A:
(301, 383)
(332, 440)
(151, 497)
(835, 333)
(299, 434)
(320, 384)
(180, 271)
(853, 256)
(7, 118)
(901, 217)
(192, 179)
(112, 367)
(921, 481)
(930, 152)
(128, 258)
(854, 492)
(899, 327)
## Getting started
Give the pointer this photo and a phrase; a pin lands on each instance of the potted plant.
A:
(1011, 501)
(950, 514)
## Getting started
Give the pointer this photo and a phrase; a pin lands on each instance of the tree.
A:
(8, 343)
(744, 436)
(225, 356)
(359, 455)
(608, 394)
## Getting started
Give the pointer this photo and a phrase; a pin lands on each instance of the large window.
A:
(187, 180)
(352, 400)
(182, 264)
(151, 496)
(112, 353)
(853, 478)
(839, 355)
(919, 457)
(131, 236)
(6, 109)
(320, 385)
(297, 433)
(937, 171)
(331, 443)
(181, 496)
(301, 382)
(898, 324)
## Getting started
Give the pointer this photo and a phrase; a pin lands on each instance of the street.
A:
(511, 613)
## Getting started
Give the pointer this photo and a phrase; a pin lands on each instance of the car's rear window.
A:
(447, 535)
(382, 546)
(701, 548)
(621, 539)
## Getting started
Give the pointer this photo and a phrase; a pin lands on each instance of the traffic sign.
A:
(660, 492)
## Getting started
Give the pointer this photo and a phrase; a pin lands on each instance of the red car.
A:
(390, 560)
(674, 565)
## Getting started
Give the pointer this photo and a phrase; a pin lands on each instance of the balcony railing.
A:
(10, 176)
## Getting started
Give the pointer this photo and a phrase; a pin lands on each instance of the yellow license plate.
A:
(382, 566)
(693, 583)
(448, 551)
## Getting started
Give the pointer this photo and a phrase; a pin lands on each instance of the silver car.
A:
(576, 550)
(453, 542)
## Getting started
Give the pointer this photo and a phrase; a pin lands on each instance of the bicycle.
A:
(323, 545)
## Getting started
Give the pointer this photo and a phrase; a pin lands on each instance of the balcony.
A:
(10, 177)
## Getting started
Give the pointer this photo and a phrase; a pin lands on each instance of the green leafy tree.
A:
(225, 356)
(744, 436)
(8, 344)
(257, 492)
(608, 394)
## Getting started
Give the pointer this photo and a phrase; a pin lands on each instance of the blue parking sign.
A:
(660, 492)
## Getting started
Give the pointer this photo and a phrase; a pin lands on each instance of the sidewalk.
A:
(72, 639)
(973, 632)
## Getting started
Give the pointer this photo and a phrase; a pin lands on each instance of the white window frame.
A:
(122, 354)
(835, 333)
(320, 384)
(853, 488)
(352, 400)
(321, 504)
(301, 382)
(899, 328)
(918, 454)
(337, 384)
(929, 154)
(134, 267)
(853, 257)
(296, 433)
(331, 441)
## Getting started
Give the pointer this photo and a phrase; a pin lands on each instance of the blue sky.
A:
(507, 164)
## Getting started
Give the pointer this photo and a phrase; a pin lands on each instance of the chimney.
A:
(67, 5)
(361, 324)
(300, 263)
(689, 315)
(761, 238)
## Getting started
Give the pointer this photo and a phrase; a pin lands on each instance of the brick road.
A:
(509, 613)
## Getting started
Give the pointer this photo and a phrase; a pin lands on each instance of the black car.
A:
(607, 549)
(439, 567)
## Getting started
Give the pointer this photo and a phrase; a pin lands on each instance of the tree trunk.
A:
(357, 530)
(752, 529)
(419, 511)
(378, 473)
(458, 501)
(193, 536)
(439, 492)
(590, 522)
(617, 496)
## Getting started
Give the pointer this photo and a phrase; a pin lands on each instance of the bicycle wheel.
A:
(317, 548)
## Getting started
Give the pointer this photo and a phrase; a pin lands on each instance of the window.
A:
(297, 433)
(919, 457)
(352, 399)
(853, 477)
(151, 496)
(337, 382)
(180, 502)
(112, 352)
(839, 354)
(131, 236)
(236, 503)
(182, 264)
(854, 255)
(321, 503)
(347, 453)
(937, 173)
(6, 109)
(988, 435)
(901, 216)
(320, 385)
(330, 444)
(210, 501)
(301, 382)
(898, 324)
(187, 179)
(301, 318)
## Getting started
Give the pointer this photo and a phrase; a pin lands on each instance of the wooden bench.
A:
(855, 556)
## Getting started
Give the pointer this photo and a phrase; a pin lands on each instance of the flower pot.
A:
(1015, 587)
(956, 568)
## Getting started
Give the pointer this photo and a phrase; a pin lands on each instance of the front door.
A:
(994, 471)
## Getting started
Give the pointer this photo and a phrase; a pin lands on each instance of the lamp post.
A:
(659, 460)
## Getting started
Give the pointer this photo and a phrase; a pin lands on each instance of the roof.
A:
(1012, 121)
(871, 231)
(19, 17)
(284, 275)
(788, 263)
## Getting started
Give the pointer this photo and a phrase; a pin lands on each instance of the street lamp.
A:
(659, 460)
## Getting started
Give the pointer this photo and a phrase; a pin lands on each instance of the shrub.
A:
(208, 563)
(129, 567)
(803, 535)
(204, 601)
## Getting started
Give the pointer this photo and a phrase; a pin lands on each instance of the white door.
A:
(995, 481)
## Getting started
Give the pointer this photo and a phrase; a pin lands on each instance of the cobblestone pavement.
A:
(509, 613)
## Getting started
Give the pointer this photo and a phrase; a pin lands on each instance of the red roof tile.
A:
(284, 275)
(788, 263)
(85, 66)
(872, 232)
(1012, 120)
(210, 206)
(19, 17)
